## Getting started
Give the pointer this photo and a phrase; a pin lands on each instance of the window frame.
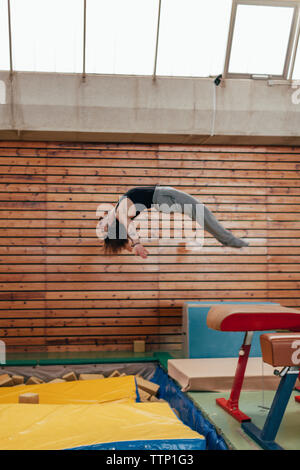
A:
(291, 47)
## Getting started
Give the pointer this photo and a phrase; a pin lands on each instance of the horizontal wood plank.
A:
(59, 291)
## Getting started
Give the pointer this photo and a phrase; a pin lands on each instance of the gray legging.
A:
(165, 196)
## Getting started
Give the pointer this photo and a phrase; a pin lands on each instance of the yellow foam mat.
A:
(79, 391)
(53, 427)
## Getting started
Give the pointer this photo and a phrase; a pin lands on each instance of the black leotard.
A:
(140, 195)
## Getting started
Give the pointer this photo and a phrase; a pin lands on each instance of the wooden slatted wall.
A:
(59, 292)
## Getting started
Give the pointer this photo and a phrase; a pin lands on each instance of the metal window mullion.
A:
(230, 37)
(270, 3)
(157, 39)
(291, 42)
(295, 48)
(84, 39)
(9, 38)
(254, 76)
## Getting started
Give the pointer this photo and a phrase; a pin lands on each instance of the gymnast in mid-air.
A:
(117, 229)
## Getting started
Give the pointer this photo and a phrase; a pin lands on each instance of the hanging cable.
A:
(214, 107)
(216, 83)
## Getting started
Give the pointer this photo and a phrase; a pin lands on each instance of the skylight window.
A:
(47, 35)
(192, 37)
(4, 46)
(183, 38)
(121, 36)
(261, 38)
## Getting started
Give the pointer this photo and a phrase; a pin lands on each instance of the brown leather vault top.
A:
(281, 349)
(234, 317)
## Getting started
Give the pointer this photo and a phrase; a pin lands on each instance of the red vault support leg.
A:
(232, 404)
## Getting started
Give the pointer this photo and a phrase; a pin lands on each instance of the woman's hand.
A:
(140, 250)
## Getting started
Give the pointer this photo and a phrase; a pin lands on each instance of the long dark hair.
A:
(116, 238)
